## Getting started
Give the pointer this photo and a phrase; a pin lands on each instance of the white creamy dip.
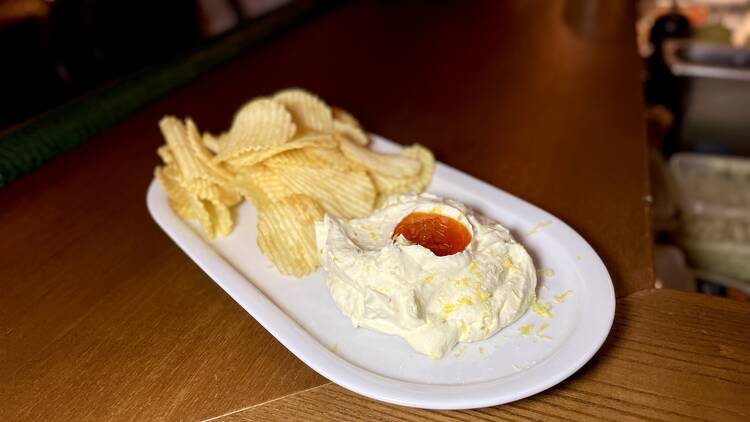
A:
(397, 287)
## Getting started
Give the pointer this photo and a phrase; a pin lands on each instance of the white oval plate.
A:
(506, 367)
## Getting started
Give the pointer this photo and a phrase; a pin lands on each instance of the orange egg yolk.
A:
(438, 233)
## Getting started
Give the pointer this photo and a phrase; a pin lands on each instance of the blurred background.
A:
(696, 81)
(696, 56)
(55, 50)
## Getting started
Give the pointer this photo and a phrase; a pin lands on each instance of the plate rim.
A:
(364, 382)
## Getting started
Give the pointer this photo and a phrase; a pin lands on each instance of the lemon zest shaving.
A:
(561, 297)
(525, 330)
(538, 226)
(541, 309)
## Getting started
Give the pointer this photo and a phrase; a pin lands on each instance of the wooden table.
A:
(103, 317)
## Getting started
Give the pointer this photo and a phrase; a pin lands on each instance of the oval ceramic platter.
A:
(533, 354)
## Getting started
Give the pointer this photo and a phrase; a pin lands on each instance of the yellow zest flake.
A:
(434, 356)
(516, 367)
(335, 348)
(460, 351)
(481, 295)
(474, 268)
(373, 236)
(526, 329)
(538, 226)
(541, 309)
(464, 328)
(509, 265)
(428, 279)
(461, 282)
(368, 268)
(539, 331)
(383, 290)
(561, 297)
(545, 272)
(578, 257)
(436, 209)
(448, 308)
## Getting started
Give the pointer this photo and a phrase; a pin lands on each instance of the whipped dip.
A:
(394, 286)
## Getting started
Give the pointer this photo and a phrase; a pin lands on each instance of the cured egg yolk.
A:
(438, 233)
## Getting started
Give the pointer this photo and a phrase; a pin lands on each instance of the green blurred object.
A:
(29, 145)
(713, 33)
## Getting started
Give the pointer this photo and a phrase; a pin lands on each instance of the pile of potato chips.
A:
(295, 158)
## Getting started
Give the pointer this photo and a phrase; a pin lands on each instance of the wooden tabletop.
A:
(103, 317)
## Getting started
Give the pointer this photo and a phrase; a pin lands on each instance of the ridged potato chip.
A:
(260, 123)
(188, 206)
(388, 164)
(286, 234)
(342, 116)
(389, 185)
(165, 154)
(221, 218)
(213, 143)
(427, 161)
(352, 133)
(344, 124)
(343, 194)
(309, 112)
(331, 157)
(264, 181)
(250, 158)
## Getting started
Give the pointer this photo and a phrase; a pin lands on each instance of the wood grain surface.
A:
(670, 356)
(102, 317)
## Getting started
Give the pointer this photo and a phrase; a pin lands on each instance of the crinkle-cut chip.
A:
(165, 154)
(309, 112)
(213, 192)
(213, 142)
(295, 157)
(314, 157)
(186, 205)
(427, 160)
(389, 164)
(250, 189)
(262, 185)
(221, 217)
(286, 234)
(250, 158)
(190, 156)
(343, 116)
(175, 134)
(214, 171)
(333, 158)
(343, 194)
(387, 185)
(260, 123)
(196, 172)
(228, 197)
(179, 197)
(348, 126)
(350, 132)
